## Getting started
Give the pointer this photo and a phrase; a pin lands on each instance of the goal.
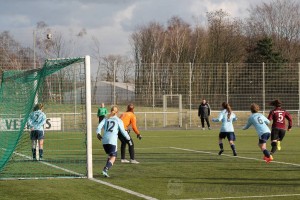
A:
(63, 86)
(172, 103)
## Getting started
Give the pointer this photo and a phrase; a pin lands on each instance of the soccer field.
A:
(180, 165)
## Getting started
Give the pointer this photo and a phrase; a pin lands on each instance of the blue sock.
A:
(108, 165)
(33, 153)
(41, 151)
(266, 153)
(232, 147)
(221, 146)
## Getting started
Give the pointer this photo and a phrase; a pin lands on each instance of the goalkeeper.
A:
(36, 122)
(112, 126)
(128, 119)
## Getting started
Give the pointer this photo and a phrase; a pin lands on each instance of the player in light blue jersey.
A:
(36, 122)
(112, 126)
(226, 116)
(260, 122)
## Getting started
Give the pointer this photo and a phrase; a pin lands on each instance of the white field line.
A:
(248, 197)
(179, 136)
(123, 189)
(93, 179)
(247, 158)
(242, 197)
(51, 165)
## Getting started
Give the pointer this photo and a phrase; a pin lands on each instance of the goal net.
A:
(61, 86)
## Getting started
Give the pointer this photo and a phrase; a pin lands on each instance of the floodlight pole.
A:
(34, 44)
(298, 91)
(190, 95)
(34, 63)
(115, 62)
(264, 88)
(227, 84)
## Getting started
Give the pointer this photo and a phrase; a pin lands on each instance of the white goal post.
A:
(89, 118)
(165, 108)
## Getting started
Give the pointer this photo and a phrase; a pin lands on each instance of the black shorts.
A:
(229, 135)
(37, 135)
(277, 134)
(101, 118)
(110, 149)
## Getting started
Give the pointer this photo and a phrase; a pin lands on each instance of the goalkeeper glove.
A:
(99, 137)
(139, 136)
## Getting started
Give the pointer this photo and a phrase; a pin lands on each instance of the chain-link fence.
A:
(240, 84)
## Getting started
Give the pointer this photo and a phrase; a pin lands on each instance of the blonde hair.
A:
(113, 111)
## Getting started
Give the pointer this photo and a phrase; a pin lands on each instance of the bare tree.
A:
(149, 45)
(280, 20)
(178, 33)
(111, 65)
(126, 70)
(12, 54)
(54, 44)
(96, 55)
(198, 43)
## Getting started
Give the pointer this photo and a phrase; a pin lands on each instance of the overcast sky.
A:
(110, 21)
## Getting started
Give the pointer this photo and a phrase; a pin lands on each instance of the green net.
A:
(59, 85)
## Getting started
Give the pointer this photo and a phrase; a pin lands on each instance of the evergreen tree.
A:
(263, 52)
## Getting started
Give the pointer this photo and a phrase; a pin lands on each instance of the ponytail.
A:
(226, 106)
(113, 111)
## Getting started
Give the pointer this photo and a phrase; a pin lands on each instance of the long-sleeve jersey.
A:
(36, 120)
(278, 115)
(227, 125)
(102, 111)
(128, 119)
(260, 122)
(111, 128)
(204, 110)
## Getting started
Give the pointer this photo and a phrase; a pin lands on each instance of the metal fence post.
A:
(190, 94)
(263, 89)
(227, 83)
(298, 92)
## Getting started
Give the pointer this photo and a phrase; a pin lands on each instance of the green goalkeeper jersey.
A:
(102, 111)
